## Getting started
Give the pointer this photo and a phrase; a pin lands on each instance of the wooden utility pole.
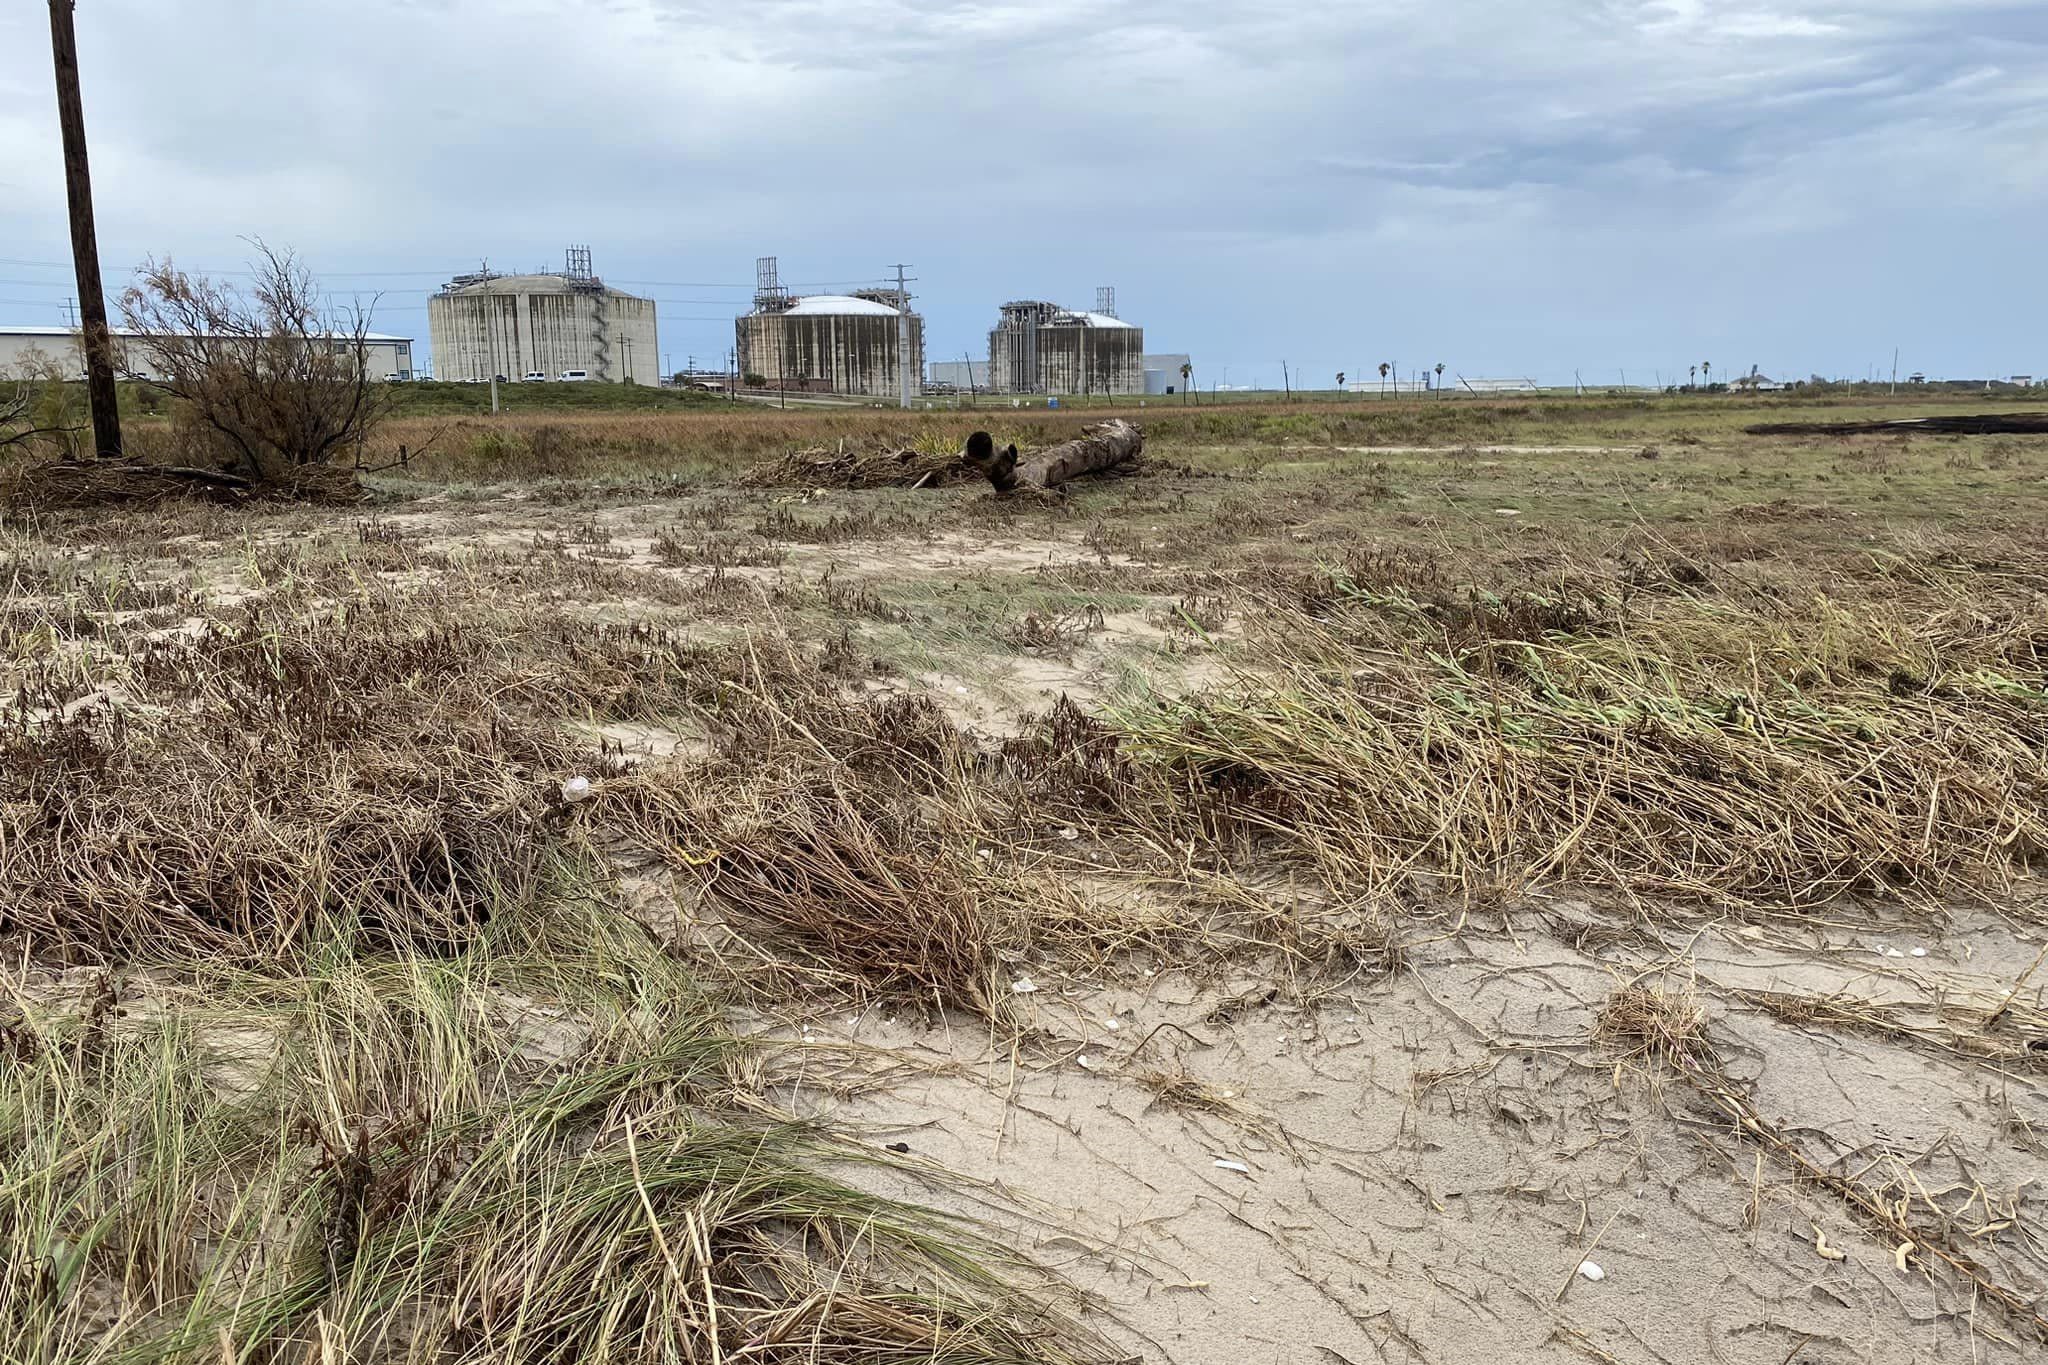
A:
(85, 250)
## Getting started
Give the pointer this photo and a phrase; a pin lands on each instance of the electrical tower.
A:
(769, 294)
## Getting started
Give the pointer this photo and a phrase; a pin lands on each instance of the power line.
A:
(447, 273)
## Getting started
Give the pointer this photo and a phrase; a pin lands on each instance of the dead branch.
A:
(18, 429)
(405, 456)
(61, 484)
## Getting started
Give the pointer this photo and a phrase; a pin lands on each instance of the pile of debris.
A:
(845, 466)
(59, 485)
(1101, 446)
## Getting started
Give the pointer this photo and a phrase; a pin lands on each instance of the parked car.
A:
(533, 377)
(394, 377)
(574, 376)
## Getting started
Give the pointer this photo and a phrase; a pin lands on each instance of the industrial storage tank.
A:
(1040, 347)
(829, 343)
(546, 324)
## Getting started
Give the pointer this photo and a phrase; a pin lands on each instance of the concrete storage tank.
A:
(550, 324)
(828, 343)
(1040, 347)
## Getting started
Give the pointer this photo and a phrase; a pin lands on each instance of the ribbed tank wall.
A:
(1085, 360)
(850, 353)
(483, 332)
(1013, 360)
(1067, 360)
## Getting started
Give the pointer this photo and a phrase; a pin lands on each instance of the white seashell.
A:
(1591, 1271)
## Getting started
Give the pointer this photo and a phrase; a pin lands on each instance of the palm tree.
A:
(1187, 369)
(1384, 367)
(1439, 379)
(1692, 376)
(1707, 372)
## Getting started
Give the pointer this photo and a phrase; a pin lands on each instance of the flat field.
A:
(1378, 881)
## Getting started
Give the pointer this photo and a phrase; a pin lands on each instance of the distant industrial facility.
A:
(857, 343)
(552, 326)
(1041, 347)
(32, 352)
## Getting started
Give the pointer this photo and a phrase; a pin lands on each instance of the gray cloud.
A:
(1503, 185)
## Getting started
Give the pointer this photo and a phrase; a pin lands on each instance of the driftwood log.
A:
(1099, 447)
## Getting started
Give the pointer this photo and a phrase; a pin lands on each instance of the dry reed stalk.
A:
(1669, 1028)
(1954, 1030)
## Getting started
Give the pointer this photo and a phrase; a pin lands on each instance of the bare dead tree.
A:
(278, 380)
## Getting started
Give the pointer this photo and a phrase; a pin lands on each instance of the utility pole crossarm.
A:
(85, 251)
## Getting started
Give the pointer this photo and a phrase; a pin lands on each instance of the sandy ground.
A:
(1422, 1159)
(1238, 1166)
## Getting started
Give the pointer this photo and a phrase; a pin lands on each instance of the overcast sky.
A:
(1508, 186)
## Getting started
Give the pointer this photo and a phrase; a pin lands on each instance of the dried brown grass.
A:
(1664, 1024)
(1720, 747)
(282, 769)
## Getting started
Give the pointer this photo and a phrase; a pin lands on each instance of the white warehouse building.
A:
(29, 352)
(1162, 373)
(554, 325)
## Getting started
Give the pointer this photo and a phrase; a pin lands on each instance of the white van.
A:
(574, 376)
(533, 377)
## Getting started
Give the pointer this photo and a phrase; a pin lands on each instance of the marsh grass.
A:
(545, 1147)
(329, 1036)
(1722, 749)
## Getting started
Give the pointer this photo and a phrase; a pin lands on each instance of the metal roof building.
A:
(27, 352)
